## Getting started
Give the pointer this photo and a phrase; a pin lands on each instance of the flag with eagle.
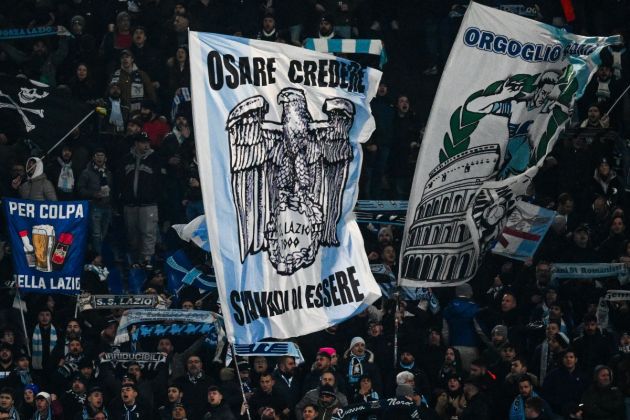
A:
(278, 133)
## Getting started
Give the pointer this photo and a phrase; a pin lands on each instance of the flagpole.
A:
(397, 295)
(617, 101)
(19, 298)
(67, 134)
(240, 381)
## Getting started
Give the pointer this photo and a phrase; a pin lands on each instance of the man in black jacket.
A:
(140, 177)
(194, 384)
(288, 383)
(95, 184)
(217, 408)
(129, 409)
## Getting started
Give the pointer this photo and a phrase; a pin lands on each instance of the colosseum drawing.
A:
(439, 247)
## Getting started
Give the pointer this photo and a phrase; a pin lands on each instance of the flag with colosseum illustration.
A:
(507, 91)
(278, 131)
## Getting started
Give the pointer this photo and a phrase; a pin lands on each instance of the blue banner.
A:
(48, 243)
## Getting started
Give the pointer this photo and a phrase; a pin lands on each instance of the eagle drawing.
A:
(288, 178)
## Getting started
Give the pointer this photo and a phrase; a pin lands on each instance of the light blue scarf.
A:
(38, 349)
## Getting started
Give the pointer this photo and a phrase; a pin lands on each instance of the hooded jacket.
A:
(37, 186)
(140, 179)
(312, 397)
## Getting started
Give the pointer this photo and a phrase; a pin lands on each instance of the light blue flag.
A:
(278, 131)
(525, 229)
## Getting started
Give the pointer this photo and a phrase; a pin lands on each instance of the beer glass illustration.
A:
(44, 244)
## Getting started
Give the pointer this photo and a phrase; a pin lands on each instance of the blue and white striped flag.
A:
(278, 131)
(267, 349)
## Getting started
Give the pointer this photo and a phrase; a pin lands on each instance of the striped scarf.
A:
(38, 349)
(517, 411)
(66, 177)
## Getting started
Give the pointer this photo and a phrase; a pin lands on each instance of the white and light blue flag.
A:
(278, 131)
(507, 92)
(525, 229)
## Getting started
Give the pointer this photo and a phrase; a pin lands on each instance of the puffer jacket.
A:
(37, 186)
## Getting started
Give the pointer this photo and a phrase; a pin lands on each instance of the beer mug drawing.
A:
(44, 244)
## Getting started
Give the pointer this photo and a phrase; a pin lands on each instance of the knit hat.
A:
(355, 341)
(404, 390)
(328, 350)
(78, 19)
(327, 390)
(94, 389)
(33, 387)
(44, 395)
(464, 291)
(500, 330)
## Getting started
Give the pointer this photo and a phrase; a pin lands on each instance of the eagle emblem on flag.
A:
(288, 177)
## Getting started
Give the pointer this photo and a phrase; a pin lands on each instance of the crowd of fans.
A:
(511, 344)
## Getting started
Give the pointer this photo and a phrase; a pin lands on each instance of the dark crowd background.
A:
(511, 344)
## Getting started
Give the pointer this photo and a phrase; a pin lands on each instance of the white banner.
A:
(587, 270)
(278, 132)
(505, 95)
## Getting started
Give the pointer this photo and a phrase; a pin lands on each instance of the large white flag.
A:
(504, 97)
(278, 132)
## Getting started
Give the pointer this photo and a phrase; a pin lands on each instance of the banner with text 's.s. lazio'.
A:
(505, 95)
(48, 240)
(278, 132)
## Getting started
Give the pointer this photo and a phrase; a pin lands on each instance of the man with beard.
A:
(135, 84)
(93, 404)
(72, 331)
(268, 32)
(194, 385)
(40, 64)
(62, 173)
(154, 125)
(73, 399)
(114, 113)
(323, 363)
(287, 383)
(68, 365)
(6, 361)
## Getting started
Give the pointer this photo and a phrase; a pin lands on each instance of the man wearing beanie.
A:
(407, 363)
(323, 363)
(327, 403)
(498, 339)
(602, 400)
(459, 315)
(358, 361)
